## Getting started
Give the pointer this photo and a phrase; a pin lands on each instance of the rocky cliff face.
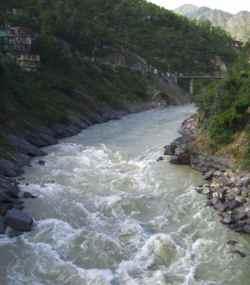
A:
(237, 25)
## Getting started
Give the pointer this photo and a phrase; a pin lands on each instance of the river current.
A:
(108, 213)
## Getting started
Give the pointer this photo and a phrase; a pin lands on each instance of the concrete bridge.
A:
(193, 77)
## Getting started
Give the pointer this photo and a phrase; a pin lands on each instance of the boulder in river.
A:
(179, 150)
(18, 220)
(170, 149)
(28, 195)
(160, 159)
(41, 162)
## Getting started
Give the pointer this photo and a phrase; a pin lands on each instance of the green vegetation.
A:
(225, 106)
(165, 40)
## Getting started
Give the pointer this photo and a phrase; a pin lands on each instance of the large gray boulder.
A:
(181, 157)
(18, 220)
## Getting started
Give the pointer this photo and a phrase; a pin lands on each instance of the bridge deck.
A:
(201, 76)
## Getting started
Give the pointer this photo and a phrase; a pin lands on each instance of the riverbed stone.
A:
(237, 190)
(227, 219)
(181, 157)
(41, 162)
(215, 200)
(246, 229)
(240, 215)
(240, 199)
(232, 242)
(230, 196)
(160, 158)
(245, 192)
(238, 252)
(232, 204)
(199, 189)
(170, 149)
(245, 181)
(221, 207)
(28, 195)
(217, 173)
(209, 175)
(18, 220)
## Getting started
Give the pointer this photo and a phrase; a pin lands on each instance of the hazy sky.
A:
(232, 6)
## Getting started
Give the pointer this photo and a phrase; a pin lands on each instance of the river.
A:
(108, 214)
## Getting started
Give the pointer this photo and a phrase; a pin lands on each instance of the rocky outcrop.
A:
(179, 151)
(11, 207)
(227, 191)
(235, 24)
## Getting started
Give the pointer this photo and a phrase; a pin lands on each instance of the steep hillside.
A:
(96, 57)
(237, 25)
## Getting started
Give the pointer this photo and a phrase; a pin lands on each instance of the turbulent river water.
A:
(108, 214)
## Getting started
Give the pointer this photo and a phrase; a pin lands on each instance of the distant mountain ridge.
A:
(238, 25)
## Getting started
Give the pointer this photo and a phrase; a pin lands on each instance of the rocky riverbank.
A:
(227, 190)
(27, 145)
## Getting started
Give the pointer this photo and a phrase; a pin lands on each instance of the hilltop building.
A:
(19, 41)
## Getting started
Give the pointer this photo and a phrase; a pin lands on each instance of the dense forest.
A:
(73, 38)
(165, 40)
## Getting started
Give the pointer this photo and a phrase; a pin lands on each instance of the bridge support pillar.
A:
(191, 87)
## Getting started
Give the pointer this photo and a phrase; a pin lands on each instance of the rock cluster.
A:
(228, 192)
(11, 207)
